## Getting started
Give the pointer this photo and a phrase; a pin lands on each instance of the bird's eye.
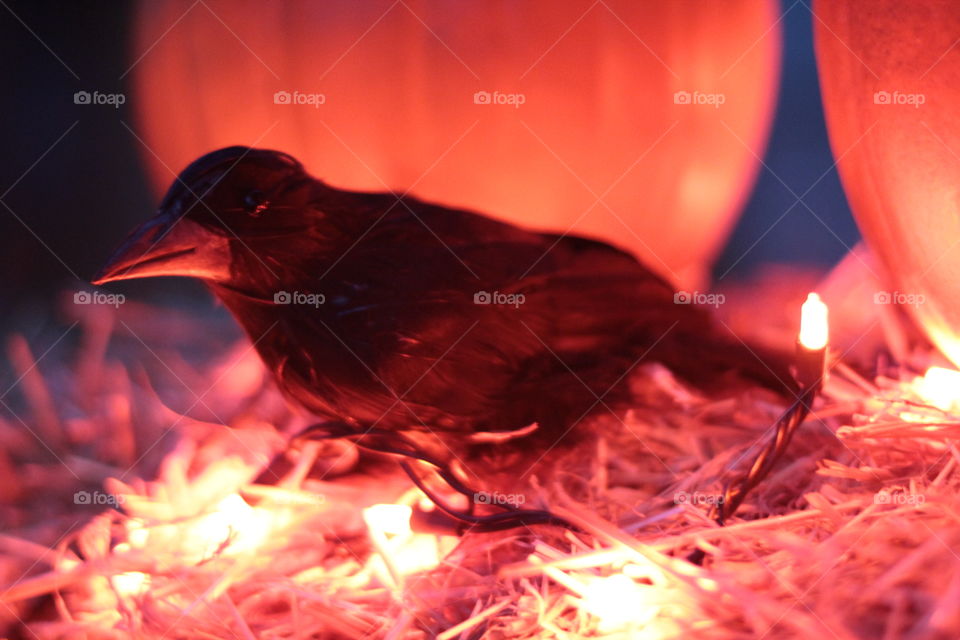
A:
(255, 202)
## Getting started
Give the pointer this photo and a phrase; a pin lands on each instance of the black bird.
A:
(401, 314)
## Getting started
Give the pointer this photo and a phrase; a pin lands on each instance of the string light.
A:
(811, 360)
(812, 342)
(814, 331)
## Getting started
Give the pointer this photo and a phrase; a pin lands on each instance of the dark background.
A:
(71, 183)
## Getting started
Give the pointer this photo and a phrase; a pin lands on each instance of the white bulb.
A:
(814, 329)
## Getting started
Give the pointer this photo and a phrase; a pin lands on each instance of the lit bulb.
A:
(401, 552)
(814, 330)
(940, 387)
(131, 583)
(392, 519)
(618, 602)
(231, 521)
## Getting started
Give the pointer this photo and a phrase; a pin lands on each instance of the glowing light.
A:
(137, 534)
(814, 328)
(403, 552)
(618, 602)
(232, 526)
(420, 553)
(390, 519)
(940, 387)
(131, 583)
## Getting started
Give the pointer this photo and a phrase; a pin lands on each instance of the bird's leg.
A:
(396, 443)
(511, 516)
(328, 430)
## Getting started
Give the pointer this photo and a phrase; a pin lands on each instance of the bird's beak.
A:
(168, 245)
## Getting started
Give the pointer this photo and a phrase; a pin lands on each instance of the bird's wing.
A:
(459, 311)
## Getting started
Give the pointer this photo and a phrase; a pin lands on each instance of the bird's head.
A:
(234, 214)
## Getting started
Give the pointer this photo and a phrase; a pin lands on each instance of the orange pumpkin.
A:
(575, 125)
(890, 73)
